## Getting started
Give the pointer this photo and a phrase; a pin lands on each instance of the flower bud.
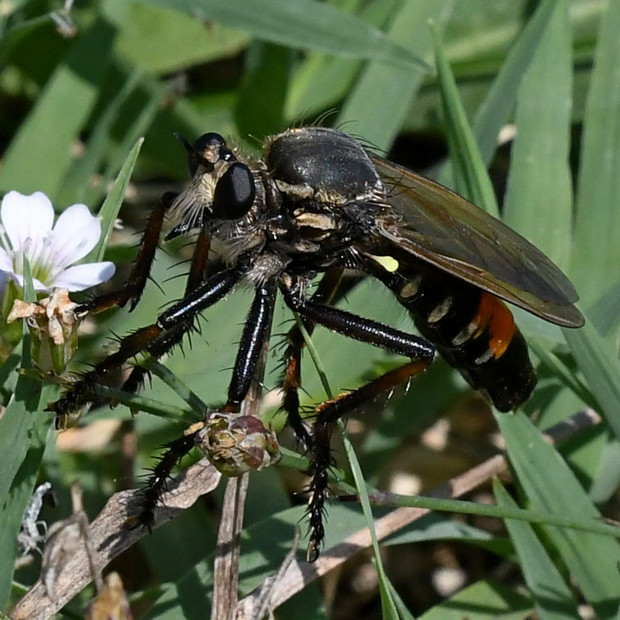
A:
(237, 443)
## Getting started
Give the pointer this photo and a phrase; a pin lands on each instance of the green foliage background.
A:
(74, 106)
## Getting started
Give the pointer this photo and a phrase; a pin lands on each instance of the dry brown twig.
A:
(111, 536)
(228, 549)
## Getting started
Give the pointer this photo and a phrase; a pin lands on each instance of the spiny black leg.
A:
(365, 330)
(292, 356)
(327, 413)
(353, 326)
(133, 288)
(250, 349)
(194, 280)
(161, 473)
(256, 327)
(156, 338)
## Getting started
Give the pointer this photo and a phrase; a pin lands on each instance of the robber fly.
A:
(315, 203)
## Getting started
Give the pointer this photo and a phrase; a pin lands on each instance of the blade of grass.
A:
(498, 105)
(153, 92)
(162, 41)
(596, 251)
(551, 486)
(388, 607)
(382, 95)
(554, 600)
(538, 201)
(489, 600)
(599, 364)
(303, 23)
(113, 202)
(260, 106)
(75, 186)
(22, 439)
(58, 116)
(471, 177)
(322, 79)
(562, 372)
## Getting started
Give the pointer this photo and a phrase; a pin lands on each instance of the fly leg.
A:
(292, 356)
(132, 290)
(155, 339)
(255, 331)
(418, 350)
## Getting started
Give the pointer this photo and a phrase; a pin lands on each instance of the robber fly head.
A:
(221, 188)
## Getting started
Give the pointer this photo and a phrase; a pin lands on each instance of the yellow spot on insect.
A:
(389, 263)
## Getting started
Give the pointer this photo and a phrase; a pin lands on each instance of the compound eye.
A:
(234, 193)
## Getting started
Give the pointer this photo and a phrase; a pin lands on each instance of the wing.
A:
(446, 230)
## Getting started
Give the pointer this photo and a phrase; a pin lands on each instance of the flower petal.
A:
(26, 217)
(6, 264)
(79, 277)
(37, 284)
(75, 234)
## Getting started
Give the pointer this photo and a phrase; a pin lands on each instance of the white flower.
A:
(26, 229)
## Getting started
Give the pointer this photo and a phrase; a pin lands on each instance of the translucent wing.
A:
(444, 229)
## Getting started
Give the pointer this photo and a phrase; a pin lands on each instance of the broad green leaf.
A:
(550, 486)
(539, 197)
(554, 600)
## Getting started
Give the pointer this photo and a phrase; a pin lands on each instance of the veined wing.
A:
(444, 229)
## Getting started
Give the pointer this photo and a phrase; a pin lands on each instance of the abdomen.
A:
(472, 329)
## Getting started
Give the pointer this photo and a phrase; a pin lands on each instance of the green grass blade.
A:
(382, 95)
(23, 429)
(303, 24)
(260, 107)
(471, 177)
(162, 41)
(58, 116)
(596, 250)
(498, 105)
(388, 606)
(551, 486)
(554, 600)
(489, 600)
(601, 369)
(114, 200)
(539, 197)
(562, 372)
(322, 79)
(76, 184)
